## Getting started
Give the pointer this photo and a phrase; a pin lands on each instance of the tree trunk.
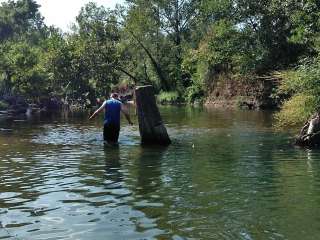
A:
(151, 127)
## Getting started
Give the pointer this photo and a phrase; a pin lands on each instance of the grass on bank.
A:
(303, 85)
(296, 110)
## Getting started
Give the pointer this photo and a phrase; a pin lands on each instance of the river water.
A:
(227, 175)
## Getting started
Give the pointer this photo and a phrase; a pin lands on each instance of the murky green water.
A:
(227, 175)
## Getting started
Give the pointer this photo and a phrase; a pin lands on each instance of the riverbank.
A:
(15, 105)
(249, 93)
(19, 105)
(255, 92)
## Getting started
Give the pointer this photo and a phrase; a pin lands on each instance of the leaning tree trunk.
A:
(309, 135)
(151, 127)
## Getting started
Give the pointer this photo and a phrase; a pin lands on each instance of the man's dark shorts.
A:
(111, 132)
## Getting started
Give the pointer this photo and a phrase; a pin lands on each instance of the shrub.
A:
(168, 97)
(296, 110)
(303, 84)
(194, 93)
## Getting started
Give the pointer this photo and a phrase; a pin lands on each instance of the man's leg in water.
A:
(111, 133)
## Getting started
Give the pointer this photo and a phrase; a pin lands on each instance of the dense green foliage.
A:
(168, 97)
(178, 46)
(303, 85)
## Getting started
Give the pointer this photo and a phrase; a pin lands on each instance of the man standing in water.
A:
(112, 108)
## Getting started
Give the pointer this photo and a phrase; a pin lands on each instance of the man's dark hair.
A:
(114, 95)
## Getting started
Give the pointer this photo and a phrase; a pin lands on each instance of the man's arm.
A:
(125, 111)
(132, 103)
(98, 110)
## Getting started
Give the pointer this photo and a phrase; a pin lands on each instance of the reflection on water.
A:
(227, 175)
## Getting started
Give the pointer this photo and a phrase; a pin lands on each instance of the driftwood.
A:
(309, 135)
(151, 127)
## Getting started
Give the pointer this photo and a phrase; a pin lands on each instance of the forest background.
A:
(181, 47)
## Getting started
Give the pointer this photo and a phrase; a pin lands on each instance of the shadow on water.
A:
(143, 163)
(112, 163)
(148, 162)
(147, 174)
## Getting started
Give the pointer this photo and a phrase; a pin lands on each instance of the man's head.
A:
(114, 95)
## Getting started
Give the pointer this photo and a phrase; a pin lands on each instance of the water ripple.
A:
(226, 176)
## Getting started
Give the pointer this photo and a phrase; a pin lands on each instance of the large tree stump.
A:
(151, 127)
(309, 135)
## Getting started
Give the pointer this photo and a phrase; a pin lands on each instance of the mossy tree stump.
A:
(152, 130)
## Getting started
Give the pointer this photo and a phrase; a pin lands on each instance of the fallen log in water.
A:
(151, 127)
(309, 135)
